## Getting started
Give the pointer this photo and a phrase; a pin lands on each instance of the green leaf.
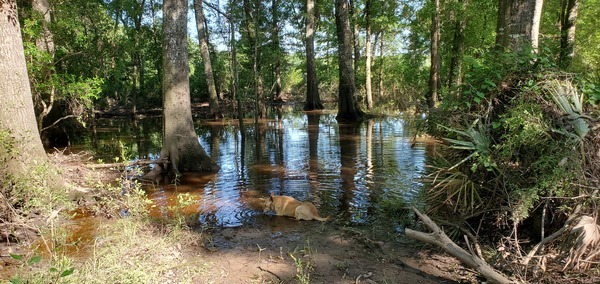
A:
(67, 272)
(16, 281)
(53, 269)
(16, 256)
(34, 259)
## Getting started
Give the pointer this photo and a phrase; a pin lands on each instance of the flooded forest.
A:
(361, 141)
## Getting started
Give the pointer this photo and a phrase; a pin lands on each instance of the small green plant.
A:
(303, 260)
(180, 217)
(55, 274)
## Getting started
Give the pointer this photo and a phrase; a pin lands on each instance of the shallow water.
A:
(347, 171)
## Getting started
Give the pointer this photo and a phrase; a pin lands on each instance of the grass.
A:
(124, 251)
(113, 249)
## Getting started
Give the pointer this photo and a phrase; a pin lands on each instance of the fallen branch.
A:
(566, 227)
(123, 164)
(440, 239)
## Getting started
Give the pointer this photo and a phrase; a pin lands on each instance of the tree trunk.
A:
(434, 71)
(568, 20)
(44, 43)
(501, 23)
(381, 65)
(277, 47)
(313, 100)
(348, 109)
(181, 151)
(17, 117)
(519, 24)
(355, 37)
(458, 50)
(213, 101)
(369, 94)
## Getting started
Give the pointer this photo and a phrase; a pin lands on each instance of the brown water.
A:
(347, 171)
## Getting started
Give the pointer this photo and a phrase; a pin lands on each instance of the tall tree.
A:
(368, 53)
(568, 20)
(213, 101)
(458, 49)
(353, 16)
(181, 149)
(252, 15)
(44, 98)
(518, 24)
(348, 108)
(17, 117)
(277, 48)
(434, 71)
(313, 100)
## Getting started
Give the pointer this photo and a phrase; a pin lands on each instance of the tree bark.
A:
(17, 116)
(213, 101)
(355, 37)
(348, 109)
(434, 71)
(180, 142)
(313, 100)
(368, 53)
(518, 24)
(568, 20)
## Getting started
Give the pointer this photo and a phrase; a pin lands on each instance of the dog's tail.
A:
(323, 219)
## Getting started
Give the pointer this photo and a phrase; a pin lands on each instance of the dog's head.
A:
(267, 203)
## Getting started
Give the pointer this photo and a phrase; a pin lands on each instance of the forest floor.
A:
(272, 250)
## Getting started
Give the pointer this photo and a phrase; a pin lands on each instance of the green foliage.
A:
(55, 274)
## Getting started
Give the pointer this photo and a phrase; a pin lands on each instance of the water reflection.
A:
(346, 170)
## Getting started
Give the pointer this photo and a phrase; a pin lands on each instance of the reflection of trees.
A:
(348, 157)
(216, 132)
(313, 144)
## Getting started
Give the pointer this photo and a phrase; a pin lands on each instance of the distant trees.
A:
(213, 100)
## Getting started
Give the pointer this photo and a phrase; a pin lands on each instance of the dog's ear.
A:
(271, 197)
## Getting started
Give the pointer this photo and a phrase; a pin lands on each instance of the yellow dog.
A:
(289, 206)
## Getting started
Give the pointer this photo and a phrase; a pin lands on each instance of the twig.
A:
(268, 271)
(57, 121)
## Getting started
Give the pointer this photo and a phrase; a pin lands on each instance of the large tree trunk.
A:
(17, 117)
(348, 109)
(368, 53)
(568, 19)
(518, 24)
(181, 150)
(213, 101)
(313, 100)
(434, 71)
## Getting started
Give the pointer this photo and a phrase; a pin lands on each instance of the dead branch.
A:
(566, 227)
(57, 121)
(440, 239)
(125, 164)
